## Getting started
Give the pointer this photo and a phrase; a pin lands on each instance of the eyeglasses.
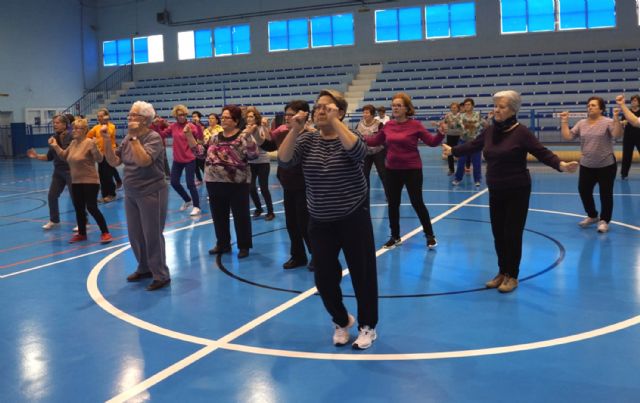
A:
(134, 115)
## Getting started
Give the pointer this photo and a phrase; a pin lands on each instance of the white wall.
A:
(123, 22)
(42, 49)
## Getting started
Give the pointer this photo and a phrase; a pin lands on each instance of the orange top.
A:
(95, 133)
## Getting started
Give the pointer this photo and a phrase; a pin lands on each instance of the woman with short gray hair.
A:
(146, 194)
(505, 143)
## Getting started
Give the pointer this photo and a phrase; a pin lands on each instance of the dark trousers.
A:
(587, 181)
(412, 179)
(176, 174)
(452, 141)
(199, 168)
(116, 176)
(223, 199)
(107, 185)
(296, 216)
(629, 142)
(376, 159)
(85, 198)
(260, 174)
(59, 180)
(476, 160)
(354, 236)
(508, 209)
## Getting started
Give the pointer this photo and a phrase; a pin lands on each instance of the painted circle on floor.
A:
(225, 342)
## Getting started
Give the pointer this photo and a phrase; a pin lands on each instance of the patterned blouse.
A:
(228, 158)
(454, 123)
(471, 125)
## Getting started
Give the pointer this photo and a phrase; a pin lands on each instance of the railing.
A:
(101, 92)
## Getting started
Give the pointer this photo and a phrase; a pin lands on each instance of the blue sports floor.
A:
(73, 330)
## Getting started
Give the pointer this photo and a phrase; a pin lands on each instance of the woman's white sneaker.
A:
(603, 227)
(49, 225)
(341, 334)
(365, 339)
(588, 221)
(196, 211)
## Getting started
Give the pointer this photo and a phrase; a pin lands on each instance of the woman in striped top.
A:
(332, 162)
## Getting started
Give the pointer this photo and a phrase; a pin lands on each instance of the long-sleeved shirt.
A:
(368, 131)
(334, 178)
(60, 164)
(82, 157)
(140, 181)
(291, 178)
(507, 156)
(182, 153)
(401, 139)
(94, 133)
(228, 158)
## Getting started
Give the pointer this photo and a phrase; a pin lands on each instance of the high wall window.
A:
(553, 15)
(195, 44)
(116, 53)
(288, 35)
(148, 49)
(320, 31)
(332, 30)
(400, 24)
(450, 20)
(232, 40)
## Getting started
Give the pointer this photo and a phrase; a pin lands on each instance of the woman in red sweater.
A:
(404, 166)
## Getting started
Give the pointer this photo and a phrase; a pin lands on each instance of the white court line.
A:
(211, 345)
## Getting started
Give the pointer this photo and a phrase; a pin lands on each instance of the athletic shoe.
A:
(106, 237)
(50, 225)
(195, 211)
(341, 334)
(365, 339)
(495, 282)
(269, 217)
(588, 221)
(75, 229)
(477, 184)
(392, 243)
(603, 226)
(455, 182)
(509, 284)
(431, 242)
(77, 238)
(257, 212)
(186, 205)
(108, 199)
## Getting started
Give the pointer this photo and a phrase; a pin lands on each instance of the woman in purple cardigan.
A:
(505, 144)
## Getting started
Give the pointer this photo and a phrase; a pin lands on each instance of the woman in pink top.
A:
(184, 140)
(82, 155)
(404, 166)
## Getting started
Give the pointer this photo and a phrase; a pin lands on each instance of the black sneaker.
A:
(392, 243)
(431, 242)
(257, 212)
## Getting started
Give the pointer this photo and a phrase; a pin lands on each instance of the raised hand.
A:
(564, 116)
(52, 141)
(31, 153)
(298, 121)
(446, 150)
(620, 100)
(104, 132)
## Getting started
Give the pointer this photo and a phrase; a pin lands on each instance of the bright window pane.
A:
(223, 41)
(124, 51)
(541, 15)
(514, 15)
(156, 48)
(410, 23)
(186, 45)
(321, 31)
(437, 21)
(386, 25)
(601, 13)
(463, 19)
(298, 34)
(277, 35)
(110, 53)
(241, 36)
(203, 43)
(572, 14)
(342, 29)
(140, 51)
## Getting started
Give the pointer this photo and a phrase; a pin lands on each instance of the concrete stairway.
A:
(360, 85)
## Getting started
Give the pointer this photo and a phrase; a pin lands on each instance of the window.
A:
(550, 15)
(334, 30)
(288, 35)
(232, 40)
(148, 49)
(402, 24)
(116, 53)
(450, 20)
(194, 44)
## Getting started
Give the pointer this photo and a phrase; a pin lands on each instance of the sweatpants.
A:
(85, 198)
(412, 179)
(604, 177)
